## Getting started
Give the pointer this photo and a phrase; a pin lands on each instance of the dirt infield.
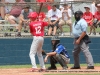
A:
(24, 71)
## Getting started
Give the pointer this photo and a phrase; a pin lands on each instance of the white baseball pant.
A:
(36, 47)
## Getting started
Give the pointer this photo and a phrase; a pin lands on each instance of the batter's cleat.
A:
(33, 70)
(75, 67)
(51, 68)
(90, 67)
(42, 70)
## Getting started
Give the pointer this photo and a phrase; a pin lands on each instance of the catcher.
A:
(58, 54)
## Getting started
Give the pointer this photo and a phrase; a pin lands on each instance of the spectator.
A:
(58, 54)
(97, 15)
(23, 19)
(88, 16)
(42, 16)
(93, 7)
(54, 15)
(66, 18)
(15, 12)
(64, 2)
(2, 10)
(81, 41)
(46, 5)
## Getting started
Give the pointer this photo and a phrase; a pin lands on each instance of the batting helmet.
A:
(33, 15)
(55, 38)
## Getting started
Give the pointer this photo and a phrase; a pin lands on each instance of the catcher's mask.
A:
(55, 40)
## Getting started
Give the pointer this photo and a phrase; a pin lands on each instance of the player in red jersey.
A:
(88, 16)
(46, 5)
(97, 15)
(42, 16)
(37, 31)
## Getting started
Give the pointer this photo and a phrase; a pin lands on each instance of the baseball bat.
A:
(40, 10)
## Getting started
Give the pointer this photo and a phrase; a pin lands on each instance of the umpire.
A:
(58, 54)
(81, 40)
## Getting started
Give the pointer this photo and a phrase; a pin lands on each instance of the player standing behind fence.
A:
(88, 16)
(37, 30)
(96, 21)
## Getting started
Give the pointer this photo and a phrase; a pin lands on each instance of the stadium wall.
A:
(15, 51)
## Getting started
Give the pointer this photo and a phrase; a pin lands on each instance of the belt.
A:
(38, 36)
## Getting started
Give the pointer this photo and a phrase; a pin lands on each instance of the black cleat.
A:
(51, 68)
(90, 67)
(75, 67)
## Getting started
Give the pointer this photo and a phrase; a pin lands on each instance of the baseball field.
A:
(23, 70)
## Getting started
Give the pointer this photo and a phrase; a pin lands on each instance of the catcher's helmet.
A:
(33, 15)
(55, 38)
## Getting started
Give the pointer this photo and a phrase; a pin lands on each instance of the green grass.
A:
(71, 74)
(47, 65)
(67, 29)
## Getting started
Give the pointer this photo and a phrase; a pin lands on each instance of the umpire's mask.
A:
(78, 15)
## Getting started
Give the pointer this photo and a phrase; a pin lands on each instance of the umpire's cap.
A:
(55, 38)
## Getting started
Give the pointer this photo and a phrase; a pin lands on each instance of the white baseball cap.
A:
(87, 7)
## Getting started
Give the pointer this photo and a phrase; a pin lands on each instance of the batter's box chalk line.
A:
(72, 71)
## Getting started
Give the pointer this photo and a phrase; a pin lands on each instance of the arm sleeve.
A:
(45, 23)
(49, 14)
(30, 28)
(59, 49)
(59, 14)
(22, 12)
(84, 26)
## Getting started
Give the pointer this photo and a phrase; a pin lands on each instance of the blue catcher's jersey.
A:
(60, 49)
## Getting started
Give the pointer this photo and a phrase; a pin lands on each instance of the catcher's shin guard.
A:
(61, 61)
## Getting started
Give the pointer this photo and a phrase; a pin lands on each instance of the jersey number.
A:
(38, 30)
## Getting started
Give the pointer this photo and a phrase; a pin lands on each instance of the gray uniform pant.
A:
(85, 49)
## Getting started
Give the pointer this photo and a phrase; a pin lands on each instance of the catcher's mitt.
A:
(43, 52)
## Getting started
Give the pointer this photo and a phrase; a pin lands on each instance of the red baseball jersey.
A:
(97, 15)
(88, 16)
(37, 28)
(41, 0)
(41, 16)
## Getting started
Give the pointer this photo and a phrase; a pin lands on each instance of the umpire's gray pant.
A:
(85, 49)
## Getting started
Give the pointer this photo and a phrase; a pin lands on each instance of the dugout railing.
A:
(5, 25)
